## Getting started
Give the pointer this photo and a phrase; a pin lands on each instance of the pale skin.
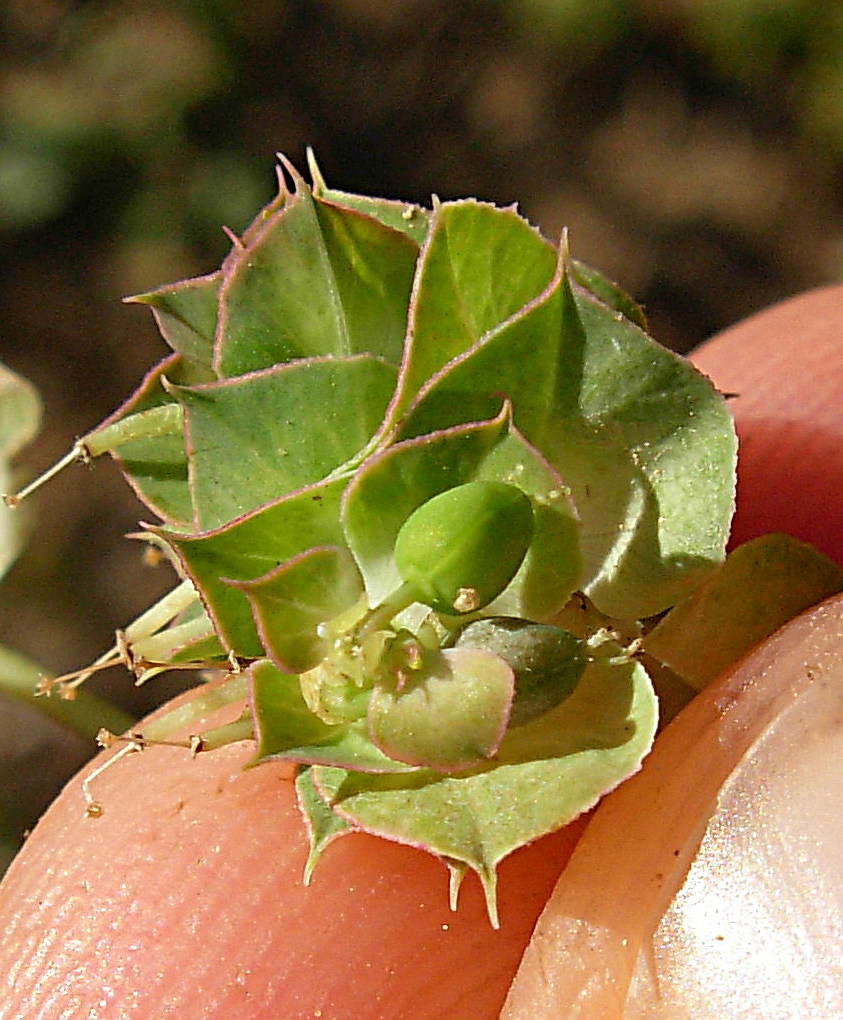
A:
(184, 899)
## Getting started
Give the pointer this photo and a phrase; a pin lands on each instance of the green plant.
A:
(434, 497)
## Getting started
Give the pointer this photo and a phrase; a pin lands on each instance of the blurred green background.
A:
(693, 147)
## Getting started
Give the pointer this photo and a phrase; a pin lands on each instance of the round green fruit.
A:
(460, 549)
(546, 660)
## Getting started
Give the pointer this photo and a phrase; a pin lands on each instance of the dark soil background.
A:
(693, 147)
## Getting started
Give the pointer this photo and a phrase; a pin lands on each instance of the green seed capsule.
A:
(460, 549)
(547, 661)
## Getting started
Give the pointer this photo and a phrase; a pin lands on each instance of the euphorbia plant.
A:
(445, 513)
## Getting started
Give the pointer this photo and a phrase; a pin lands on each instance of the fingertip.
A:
(186, 895)
(782, 370)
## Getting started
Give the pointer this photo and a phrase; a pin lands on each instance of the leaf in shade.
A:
(313, 279)
(678, 440)
(287, 730)
(372, 269)
(256, 437)
(763, 583)
(251, 547)
(291, 602)
(450, 716)
(20, 413)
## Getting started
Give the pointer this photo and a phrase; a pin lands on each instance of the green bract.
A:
(380, 423)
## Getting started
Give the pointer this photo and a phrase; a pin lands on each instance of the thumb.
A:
(785, 366)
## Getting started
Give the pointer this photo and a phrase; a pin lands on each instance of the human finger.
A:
(783, 370)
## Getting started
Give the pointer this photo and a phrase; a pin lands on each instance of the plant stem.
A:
(213, 697)
(84, 713)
